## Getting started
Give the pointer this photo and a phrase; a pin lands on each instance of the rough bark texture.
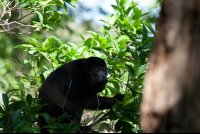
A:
(171, 99)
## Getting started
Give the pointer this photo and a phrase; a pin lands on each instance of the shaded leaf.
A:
(16, 116)
(136, 61)
(5, 99)
(1, 110)
(31, 129)
(29, 99)
(62, 117)
(144, 34)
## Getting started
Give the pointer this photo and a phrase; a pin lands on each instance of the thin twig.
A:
(104, 117)
(67, 93)
(96, 110)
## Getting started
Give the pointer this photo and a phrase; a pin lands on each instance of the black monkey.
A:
(74, 86)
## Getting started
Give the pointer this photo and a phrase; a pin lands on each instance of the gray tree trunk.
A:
(171, 99)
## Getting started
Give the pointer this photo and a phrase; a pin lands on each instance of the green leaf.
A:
(29, 99)
(58, 40)
(61, 125)
(144, 34)
(62, 117)
(1, 110)
(120, 2)
(103, 21)
(125, 97)
(12, 91)
(136, 61)
(82, 37)
(98, 49)
(127, 3)
(126, 127)
(66, 128)
(82, 49)
(74, 126)
(123, 126)
(40, 16)
(92, 33)
(18, 128)
(141, 70)
(111, 36)
(50, 126)
(37, 109)
(117, 47)
(51, 42)
(24, 4)
(112, 19)
(123, 37)
(47, 116)
(138, 14)
(58, 24)
(71, 3)
(42, 77)
(46, 68)
(113, 90)
(54, 16)
(18, 105)
(16, 116)
(115, 8)
(144, 14)
(5, 99)
(118, 126)
(52, 121)
(31, 129)
(35, 42)
(24, 46)
(130, 104)
(73, 45)
(146, 41)
(150, 28)
(130, 70)
(124, 77)
(22, 89)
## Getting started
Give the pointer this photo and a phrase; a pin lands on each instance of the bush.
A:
(125, 45)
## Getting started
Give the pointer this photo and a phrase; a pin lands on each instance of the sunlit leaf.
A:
(144, 34)
(22, 89)
(113, 90)
(141, 70)
(115, 8)
(40, 16)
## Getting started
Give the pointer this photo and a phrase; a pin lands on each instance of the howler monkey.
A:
(73, 87)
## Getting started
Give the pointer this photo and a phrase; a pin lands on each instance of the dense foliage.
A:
(124, 44)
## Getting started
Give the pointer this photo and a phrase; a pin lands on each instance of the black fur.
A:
(76, 83)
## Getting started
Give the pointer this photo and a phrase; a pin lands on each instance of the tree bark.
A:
(171, 99)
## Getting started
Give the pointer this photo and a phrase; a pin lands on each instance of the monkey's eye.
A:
(104, 69)
(97, 69)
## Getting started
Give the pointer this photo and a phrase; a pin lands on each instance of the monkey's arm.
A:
(100, 103)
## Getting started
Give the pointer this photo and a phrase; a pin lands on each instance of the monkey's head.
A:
(97, 71)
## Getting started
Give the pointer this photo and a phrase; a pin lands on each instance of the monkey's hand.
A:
(119, 97)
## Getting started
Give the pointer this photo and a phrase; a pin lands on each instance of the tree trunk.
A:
(171, 99)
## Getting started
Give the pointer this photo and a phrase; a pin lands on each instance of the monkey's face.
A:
(99, 76)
